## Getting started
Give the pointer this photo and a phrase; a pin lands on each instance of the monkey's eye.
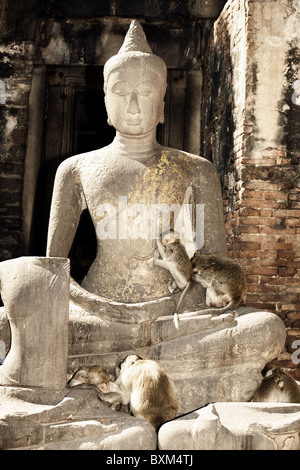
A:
(83, 376)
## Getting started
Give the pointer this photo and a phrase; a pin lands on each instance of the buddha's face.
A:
(134, 99)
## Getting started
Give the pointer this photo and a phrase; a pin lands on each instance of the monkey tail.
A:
(211, 311)
(184, 292)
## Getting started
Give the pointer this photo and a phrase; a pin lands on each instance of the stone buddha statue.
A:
(134, 189)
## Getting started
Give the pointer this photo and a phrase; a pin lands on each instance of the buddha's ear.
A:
(108, 119)
(162, 113)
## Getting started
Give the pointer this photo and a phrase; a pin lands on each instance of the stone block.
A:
(235, 426)
(35, 293)
(69, 419)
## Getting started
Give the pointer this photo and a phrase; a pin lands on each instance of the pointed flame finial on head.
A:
(136, 50)
(135, 40)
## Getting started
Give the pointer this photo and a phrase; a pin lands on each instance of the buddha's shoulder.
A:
(86, 159)
(181, 157)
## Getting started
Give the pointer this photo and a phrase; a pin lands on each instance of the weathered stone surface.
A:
(67, 420)
(35, 293)
(5, 335)
(209, 358)
(235, 426)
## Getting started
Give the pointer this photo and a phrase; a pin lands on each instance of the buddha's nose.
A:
(133, 106)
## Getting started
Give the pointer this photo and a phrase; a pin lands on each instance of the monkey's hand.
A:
(116, 406)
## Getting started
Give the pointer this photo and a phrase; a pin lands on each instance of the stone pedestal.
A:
(235, 426)
(209, 358)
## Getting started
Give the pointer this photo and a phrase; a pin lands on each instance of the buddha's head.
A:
(135, 85)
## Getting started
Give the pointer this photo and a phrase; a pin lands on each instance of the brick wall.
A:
(15, 72)
(251, 132)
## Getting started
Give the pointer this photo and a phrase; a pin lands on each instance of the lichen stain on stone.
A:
(163, 181)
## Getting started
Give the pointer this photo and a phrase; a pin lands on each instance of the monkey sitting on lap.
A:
(176, 260)
(225, 283)
(223, 278)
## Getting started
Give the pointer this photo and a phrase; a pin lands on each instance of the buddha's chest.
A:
(124, 181)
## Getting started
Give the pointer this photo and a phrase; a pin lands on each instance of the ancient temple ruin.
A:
(232, 97)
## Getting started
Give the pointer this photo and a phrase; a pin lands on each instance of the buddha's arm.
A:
(66, 208)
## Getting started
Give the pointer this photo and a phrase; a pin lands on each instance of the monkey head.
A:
(170, 236)
(125, 363)
(93, 375)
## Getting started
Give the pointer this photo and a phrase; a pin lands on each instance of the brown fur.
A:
(90, 375)
(277, 386)
(176, 260)
(149, 391)
(224, 280)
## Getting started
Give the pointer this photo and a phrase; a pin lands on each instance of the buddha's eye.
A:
(121, 88)
(146, 88)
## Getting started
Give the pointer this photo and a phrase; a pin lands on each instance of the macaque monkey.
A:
(99, 377)
(225, 283)
(277, 386)
(176, 260)
(148, 390)
(91, 375)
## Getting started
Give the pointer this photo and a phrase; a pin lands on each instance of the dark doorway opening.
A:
(75, 123)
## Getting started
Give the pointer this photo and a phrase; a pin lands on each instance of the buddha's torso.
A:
(123, 269)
